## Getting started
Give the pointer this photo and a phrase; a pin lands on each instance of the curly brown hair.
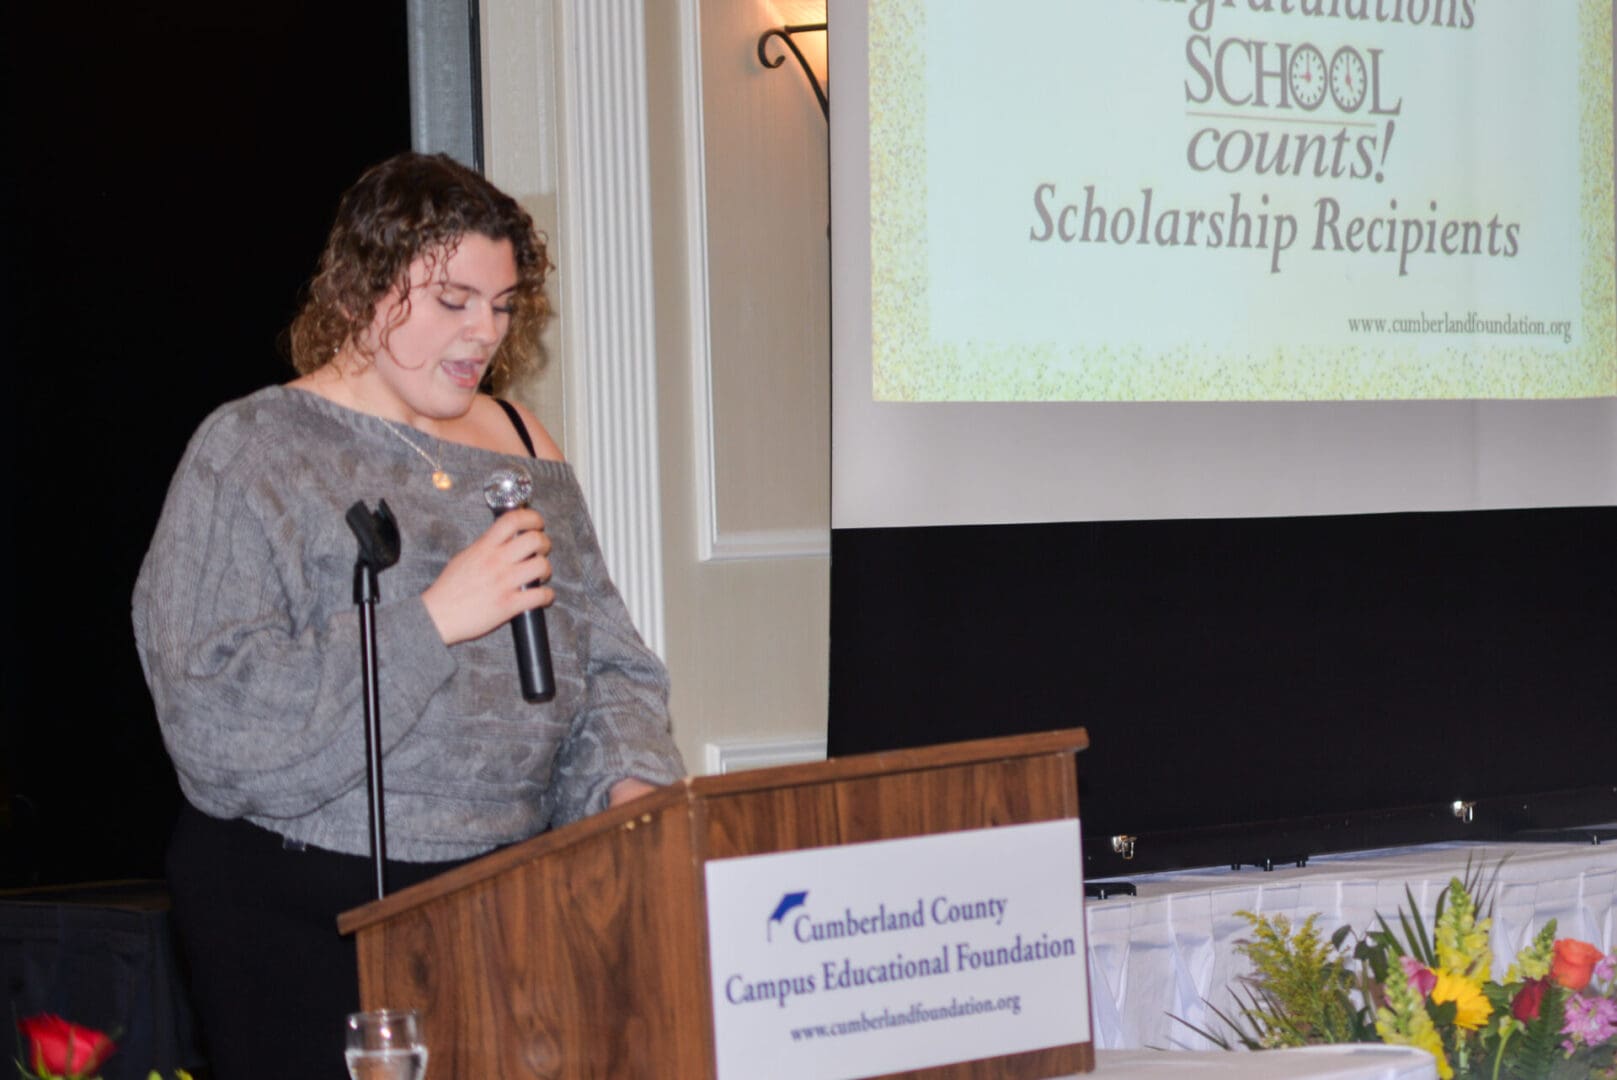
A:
(409, 207)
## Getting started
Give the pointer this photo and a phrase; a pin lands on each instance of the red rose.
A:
(1524, 1006)
(58, 1048)
(1574, 962)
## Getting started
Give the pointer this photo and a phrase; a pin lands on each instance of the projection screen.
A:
(1122, 259)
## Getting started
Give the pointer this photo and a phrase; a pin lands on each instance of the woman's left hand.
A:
(626, 789)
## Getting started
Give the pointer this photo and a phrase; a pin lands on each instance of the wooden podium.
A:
(583, 952)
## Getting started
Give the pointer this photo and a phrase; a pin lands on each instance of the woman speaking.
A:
(429, 284)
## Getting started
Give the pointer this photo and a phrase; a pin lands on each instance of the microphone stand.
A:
(378, 537)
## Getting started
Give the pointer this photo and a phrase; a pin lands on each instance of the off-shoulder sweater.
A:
(249, 637)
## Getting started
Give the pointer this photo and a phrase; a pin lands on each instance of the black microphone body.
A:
(533, 656)
(510, 489)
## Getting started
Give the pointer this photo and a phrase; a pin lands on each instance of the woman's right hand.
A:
(483, 586)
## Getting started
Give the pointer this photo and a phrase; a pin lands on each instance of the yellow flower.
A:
(1535, 959)
(1405, 1022)
(1417, 1031)
(1428, 1041)
(1461, 939)
(1471, 1009)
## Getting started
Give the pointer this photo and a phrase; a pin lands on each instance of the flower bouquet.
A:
(1552, 1016)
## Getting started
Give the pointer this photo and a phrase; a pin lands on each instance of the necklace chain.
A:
(440, 479)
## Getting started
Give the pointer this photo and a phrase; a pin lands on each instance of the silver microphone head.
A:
(507, 489)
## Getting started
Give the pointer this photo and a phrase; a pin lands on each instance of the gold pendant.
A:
(442, 481)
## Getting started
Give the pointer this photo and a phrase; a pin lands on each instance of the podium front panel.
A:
(584, 963)
(584, 952)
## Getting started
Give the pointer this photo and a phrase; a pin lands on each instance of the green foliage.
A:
(1300, 991)
(1536, 1050)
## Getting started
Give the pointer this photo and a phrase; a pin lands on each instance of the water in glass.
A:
(387, 1064)
(385, 1045)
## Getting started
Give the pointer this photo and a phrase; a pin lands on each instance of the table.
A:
(1306, 1063)
(102, 955)
(1170, 949)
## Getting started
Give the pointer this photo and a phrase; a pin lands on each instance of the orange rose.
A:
(1574, 962)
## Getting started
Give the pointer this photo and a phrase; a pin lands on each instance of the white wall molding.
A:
(605, 266)
(735, 755)
(696, 276)
(768, 544)
(713, 544)
(519, 95)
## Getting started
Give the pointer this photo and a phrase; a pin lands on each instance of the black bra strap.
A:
(516, 422)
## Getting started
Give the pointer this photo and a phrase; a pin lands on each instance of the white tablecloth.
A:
(1172, 948)
(1308, 1063)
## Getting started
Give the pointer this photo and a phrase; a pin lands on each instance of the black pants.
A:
(271, 979)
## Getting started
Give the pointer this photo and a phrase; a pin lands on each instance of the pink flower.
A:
(1420, 977)
(1606, 968)
(1590, 1021)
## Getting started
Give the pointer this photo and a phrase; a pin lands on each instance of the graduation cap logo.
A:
(788, 901)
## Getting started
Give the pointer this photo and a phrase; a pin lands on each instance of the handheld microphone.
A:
(510, 489)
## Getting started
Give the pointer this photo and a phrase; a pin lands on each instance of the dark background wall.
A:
(1239, 676)
(173, 168)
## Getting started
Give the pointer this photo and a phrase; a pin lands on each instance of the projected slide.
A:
(1241, 200)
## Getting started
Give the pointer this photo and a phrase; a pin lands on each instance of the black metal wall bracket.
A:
(784, 33)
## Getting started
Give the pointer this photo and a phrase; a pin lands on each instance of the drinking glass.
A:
(385, 1045)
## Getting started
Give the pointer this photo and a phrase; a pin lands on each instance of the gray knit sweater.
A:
(247, 631)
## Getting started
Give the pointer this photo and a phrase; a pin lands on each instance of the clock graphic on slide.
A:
(1306, 75)
(1348, 79)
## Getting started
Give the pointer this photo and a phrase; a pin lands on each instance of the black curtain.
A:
(173, 170)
